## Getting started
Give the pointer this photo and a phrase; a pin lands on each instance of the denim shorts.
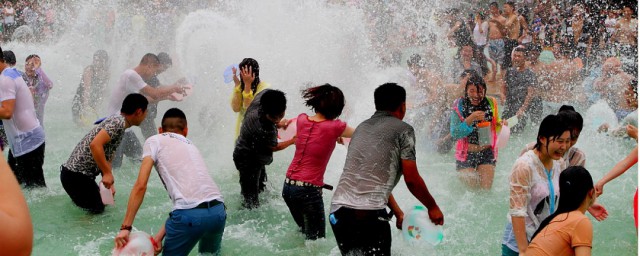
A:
(187, 227)
(474, 159)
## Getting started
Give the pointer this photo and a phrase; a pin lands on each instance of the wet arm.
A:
(6, 108)
(161, 92)
(284, 144)
(137, 192)
(17, 232)
(418, 188)
(395, 209)
(519, 189)
(459, 129)
(617, 170)
(527, 100)
(99, 156)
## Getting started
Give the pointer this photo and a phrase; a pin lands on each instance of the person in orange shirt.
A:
(567, 231)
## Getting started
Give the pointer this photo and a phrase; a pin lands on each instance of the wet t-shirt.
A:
(130, 82)
(257, 136)
(517, 84)
(374, 162)
(81, 159)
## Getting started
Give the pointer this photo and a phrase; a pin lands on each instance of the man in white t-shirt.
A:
(198, 213)
(132, 81)
(24, 132)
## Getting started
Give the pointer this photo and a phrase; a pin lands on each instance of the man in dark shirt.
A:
(257, 142)
(518, 90)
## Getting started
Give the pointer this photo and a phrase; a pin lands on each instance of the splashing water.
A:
(297, 43)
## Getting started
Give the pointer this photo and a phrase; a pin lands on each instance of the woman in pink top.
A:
(315, 140)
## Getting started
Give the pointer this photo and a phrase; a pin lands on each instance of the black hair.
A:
(415, 59)
(575, 184)
(566, 108)
(475, 80)
(133, 102)
(634, 87)
(325, 99)
(101, 54)
(255, 68)
(31, 57)
(520, 49)
(493, 4)
(573, 119)
(174, 119)
(551, 127)
(9, 57)
(165, 59)
(273, 102)
(149, 58)
(389, 97)
(512, 4)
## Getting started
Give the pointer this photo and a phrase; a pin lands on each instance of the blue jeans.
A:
(185, 228)
(307, 208)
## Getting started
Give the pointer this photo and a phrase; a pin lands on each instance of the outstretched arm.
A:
(418, 188)
(618, 170)
(135, 200)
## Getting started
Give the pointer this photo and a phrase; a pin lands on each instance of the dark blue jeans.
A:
(307, 208)
(185, 228)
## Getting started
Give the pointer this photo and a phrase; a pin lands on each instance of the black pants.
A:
(361, 232)
(148, 127)
(253, 179)
(129, 146)
(509, 44)
(533, 112)
(82, 189)
(28, 167)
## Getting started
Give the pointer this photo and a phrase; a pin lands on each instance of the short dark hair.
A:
(149, 58)
(566, 108)
(32, 56)
(134, 102)
(325, 99)
(165, 59)
(551, 127)
(573, 119)
(273, 102)
(389, 97)
(493, 4)
(9, 57)
(174, 119)
(415, 59)
(520, 49)
(512, 4)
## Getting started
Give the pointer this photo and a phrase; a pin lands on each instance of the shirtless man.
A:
(512, 25)
(626, 38)
(496, 36)
(610, 86)
(561, 76)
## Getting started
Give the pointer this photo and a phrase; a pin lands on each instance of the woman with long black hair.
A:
(568, 231)
(246, 87)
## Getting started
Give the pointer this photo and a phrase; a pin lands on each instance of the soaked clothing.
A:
(94, 93)
(573, 157)
(531, 195)
(81, 159)
(465, 134)
(373, 165)
(562, 235)
(254, 150)
(475, 159)
(148, 126)
(517, 86)
(40, 84)
(242, 113)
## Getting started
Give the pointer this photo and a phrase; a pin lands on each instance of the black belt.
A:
(205, 205)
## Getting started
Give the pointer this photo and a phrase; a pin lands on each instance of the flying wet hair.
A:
(273, 103)
(133, 102)
(149, 59)
(249, 62)
(551, 128)
(389, 97)
(477, 81)
(575, 184)
(325, 99)
(174, 119)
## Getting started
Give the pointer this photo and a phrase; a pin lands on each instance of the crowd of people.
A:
(530, 55)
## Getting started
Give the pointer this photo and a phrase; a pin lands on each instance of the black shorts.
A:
(477, 158)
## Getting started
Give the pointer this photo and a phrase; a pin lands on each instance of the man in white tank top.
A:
(198, 213)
